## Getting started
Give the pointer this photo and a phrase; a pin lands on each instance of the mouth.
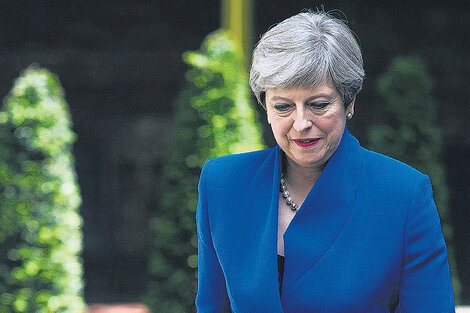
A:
(306, 142)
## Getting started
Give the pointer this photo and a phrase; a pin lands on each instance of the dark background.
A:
(120, 65)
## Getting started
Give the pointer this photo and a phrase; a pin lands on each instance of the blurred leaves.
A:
(410, 133)
(213, 117)
(40, 270)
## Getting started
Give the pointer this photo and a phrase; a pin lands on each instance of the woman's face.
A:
(308, 124)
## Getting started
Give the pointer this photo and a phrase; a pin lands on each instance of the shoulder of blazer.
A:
(382, 172)
(380, 163)
(241, 165)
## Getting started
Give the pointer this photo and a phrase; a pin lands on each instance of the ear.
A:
(350, 107)
(267, 117)
(263, 99)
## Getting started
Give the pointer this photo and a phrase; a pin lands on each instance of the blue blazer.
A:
(367, 238)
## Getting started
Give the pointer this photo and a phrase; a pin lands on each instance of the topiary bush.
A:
(40, 236)
(213, 116)
(409, 131)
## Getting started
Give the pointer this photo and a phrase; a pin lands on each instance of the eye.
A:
(282, 107)
(319, 105)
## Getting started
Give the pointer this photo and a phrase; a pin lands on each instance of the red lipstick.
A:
(307, 142)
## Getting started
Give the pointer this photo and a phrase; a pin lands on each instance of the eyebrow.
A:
(279, 98)
(306, 100)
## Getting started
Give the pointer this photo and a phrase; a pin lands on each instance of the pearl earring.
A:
(349, 115)
(269, 122)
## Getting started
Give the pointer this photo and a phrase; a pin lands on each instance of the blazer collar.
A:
(324, 212)
(254, 269)
(313, 230)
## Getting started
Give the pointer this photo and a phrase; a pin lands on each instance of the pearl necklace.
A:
(286, 195)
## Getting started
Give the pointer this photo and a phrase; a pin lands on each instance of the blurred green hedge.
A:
(40, 236)
(409, 132)
(213, 117)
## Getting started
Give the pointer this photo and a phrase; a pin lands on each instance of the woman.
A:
(317, 223)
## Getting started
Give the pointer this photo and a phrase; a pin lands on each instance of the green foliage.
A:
(213, 117)
(410, 131)
(40, 236)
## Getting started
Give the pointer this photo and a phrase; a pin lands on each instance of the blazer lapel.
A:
(324, 212)
(254, 268)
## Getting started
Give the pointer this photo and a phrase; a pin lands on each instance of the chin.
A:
(310, 163)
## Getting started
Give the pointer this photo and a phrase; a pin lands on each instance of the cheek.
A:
(331, 123)
(280, 131)
(277, 128)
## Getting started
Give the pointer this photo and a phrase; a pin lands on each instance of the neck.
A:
(299, 177)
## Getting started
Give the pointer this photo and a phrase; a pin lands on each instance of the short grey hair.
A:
(306, 50)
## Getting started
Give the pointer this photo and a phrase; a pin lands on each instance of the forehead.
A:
(322, 90)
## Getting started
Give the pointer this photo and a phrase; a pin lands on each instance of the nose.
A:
(302, 121)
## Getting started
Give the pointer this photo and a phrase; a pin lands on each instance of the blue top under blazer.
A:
(366, 239)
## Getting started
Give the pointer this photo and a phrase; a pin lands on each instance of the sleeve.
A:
(211, 293)
(425, 280)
